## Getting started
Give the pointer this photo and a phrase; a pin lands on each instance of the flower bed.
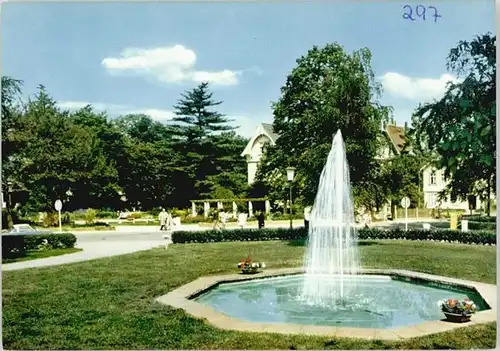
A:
(471, 237)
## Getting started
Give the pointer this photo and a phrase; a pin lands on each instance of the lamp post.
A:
(9, 195)
(10, 220)
(290, 173)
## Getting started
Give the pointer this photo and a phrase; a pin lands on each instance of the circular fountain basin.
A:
(373, 301)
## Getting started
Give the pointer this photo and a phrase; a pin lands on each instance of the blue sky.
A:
(139, 57)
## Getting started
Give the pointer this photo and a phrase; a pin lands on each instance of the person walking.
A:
(261, 219)
(242, 220)
(170, 221)
(163, 217)
(223, 219)
(216, 218)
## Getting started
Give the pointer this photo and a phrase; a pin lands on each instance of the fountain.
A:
(331, 290)
(332, 245)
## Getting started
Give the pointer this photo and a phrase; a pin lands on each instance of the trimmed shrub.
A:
(106, 214)
(12, 246)
(66, 219)
(476, 218)
(50, 219)
(52, 241)
(16, 245)
(181, 237)
(478, 225)
(138, 215)
(278, 216)
(196, 219)
(476, 237)
(90, 216)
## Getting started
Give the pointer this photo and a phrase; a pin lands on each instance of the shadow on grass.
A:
(303, 242)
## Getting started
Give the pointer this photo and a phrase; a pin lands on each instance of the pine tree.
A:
(197, 119)
(201, 139)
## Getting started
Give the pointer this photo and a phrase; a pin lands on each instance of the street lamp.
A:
(290, 173)
(9, 195)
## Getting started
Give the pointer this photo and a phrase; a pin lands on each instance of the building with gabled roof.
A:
(253, 151)
(393, 138)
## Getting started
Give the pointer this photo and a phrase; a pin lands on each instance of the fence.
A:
(421, 213)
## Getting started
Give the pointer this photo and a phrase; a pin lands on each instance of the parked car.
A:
(26, 229)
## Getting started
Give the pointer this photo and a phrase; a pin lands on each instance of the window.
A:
(432, 200)
(432, 178)
(443, 179)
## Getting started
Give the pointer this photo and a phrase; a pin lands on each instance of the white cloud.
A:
(116, 110)
(171, 64)
(416, 89)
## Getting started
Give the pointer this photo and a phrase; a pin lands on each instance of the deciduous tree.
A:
(461, 127)
(328, 90)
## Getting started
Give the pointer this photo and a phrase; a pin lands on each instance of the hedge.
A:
(16, 245)
(478, 225)
(476, 218)
(471, 237)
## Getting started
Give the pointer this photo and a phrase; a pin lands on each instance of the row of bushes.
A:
(17, 245)
(478, 237)
(482, 225)
(471, 225)
(476, 218)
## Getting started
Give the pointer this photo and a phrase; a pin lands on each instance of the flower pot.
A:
(457, 317)
(250, 270)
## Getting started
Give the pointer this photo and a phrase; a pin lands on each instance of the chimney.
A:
(406, 127)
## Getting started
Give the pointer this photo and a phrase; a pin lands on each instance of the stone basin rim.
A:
(182, 297)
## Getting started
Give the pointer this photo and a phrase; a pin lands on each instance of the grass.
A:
(108, 303)
(34, 255)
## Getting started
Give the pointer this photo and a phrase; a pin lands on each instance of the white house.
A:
(253, 151)
(393, 138)
(433, 183)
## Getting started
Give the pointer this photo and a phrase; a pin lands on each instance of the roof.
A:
(262, 129)
(268, 128)
(397, 136)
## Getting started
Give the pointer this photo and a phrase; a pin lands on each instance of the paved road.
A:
(132, 239)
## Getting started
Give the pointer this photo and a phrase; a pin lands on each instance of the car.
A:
(26, 229)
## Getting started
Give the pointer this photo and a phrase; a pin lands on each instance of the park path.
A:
(91, 250)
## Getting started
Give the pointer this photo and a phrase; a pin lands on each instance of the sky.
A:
(139, 57)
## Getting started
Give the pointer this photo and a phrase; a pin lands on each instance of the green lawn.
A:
(108, 303)
(33, 255)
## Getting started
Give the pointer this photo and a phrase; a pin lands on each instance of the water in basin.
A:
(373, 302)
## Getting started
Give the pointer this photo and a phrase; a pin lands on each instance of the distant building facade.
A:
(434, 182)
(392, 137)
(253, 151)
